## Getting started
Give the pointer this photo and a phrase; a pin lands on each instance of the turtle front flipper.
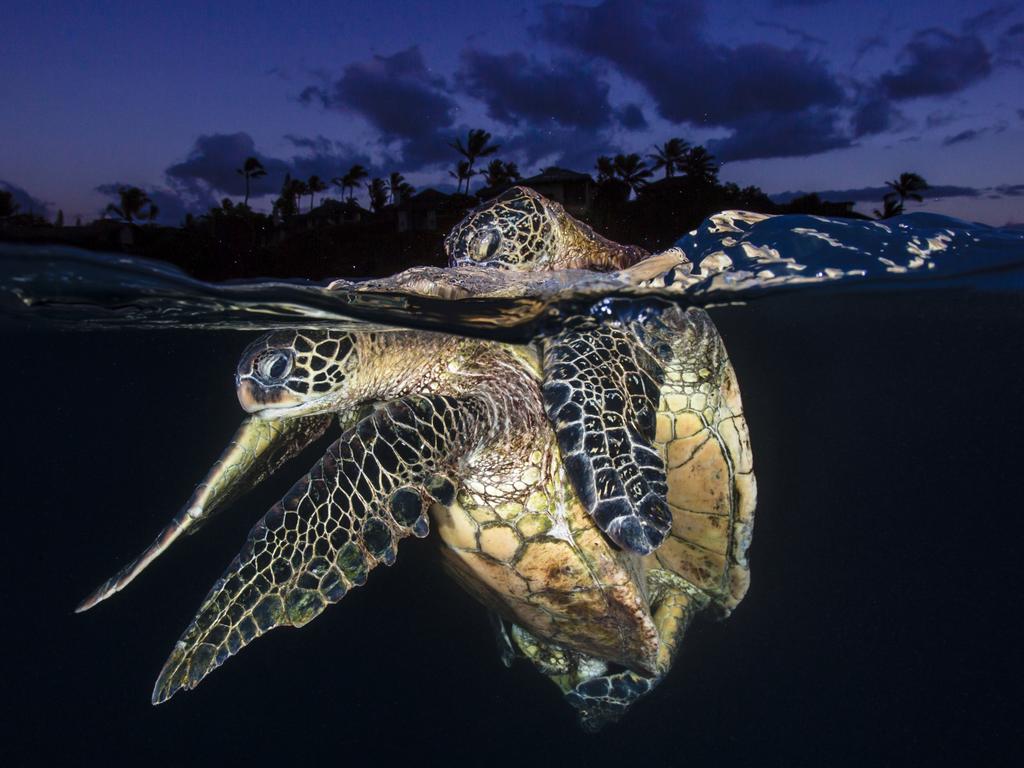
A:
(345, 517)
(258, 449)
(601, 392)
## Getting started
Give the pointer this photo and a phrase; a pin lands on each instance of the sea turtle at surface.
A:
(451, 433)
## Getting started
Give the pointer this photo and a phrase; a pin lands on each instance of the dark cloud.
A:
(1010, 190)
(873, 194)
(788, 135)
(518, 89)
(396, 94)
(937, 63)
(987, 18)
(867, 45)
(212, 166)
(662, 47)
(564, 147)
(875, 114)
(804, 37)
(173, 205)
(26, 203)
(959, 138)
(1011, 45)
(399, 96)
(210, 171)
(631, 117)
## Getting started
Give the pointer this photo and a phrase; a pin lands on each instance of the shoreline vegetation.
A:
(650, 201)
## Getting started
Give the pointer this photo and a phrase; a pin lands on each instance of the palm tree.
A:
(477, 145)
(132, 202)
(299, 189)
(908, 186)
(700, 165)
(398, 188)
(378, 190)
(285, 204)
(252, 168)
(632, 170)
(313, 185)
(351, 180)
(500, 174)
(669, 156)
(463, 173)
(605, 169)
(891, 206)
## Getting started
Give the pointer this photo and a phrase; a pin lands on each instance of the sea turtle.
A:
(454, 430)
(604, 372)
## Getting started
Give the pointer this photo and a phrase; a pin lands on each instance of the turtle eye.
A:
(274, 366)
(487, 245)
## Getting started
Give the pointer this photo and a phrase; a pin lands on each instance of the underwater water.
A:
(884, 411)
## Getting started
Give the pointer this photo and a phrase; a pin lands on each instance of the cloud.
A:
(787, 135)
(518, 89)
(211, 167)
(875, 114)
(173, 205)
(536, 147)
(1010, 190)
(26, 203)
(631, 117)
(958, 138)
(937, 63)
(690, 79)
(987, 18)
(400, 97)
(804, 37)
(873, 194)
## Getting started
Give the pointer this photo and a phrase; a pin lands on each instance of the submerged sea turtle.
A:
(456, 433)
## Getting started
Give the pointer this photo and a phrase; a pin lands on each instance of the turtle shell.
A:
(702, 433)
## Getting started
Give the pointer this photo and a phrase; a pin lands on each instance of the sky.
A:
(790, 95)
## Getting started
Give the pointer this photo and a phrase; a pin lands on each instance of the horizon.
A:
(791, 95)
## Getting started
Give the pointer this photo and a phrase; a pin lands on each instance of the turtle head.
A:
(516, 230)
(296, 373)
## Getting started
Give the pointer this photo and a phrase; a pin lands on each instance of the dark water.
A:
(880, 627)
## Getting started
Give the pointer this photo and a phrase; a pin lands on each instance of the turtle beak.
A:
(247, 395)
(261, 400)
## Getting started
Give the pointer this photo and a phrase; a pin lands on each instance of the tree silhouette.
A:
(132, 202)
(398, 188)
(59, 221)
(632, 170)
(463, 173)
(891, 206)
(908, 186)
(352, 179)
(378, 191)
(605, 169)
(499, 173)
(669, 156)
(477, 145)
(299, 189)
(285, 205)
(7, 205)
(252, 168)
(700, 165)
(313, 185)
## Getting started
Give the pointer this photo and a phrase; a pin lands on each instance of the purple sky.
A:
(810, 95)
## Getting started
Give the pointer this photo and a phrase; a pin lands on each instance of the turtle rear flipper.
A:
(601, 392)
(257, 450)
(345, 517)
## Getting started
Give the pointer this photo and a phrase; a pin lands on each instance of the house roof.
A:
(555, 174)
